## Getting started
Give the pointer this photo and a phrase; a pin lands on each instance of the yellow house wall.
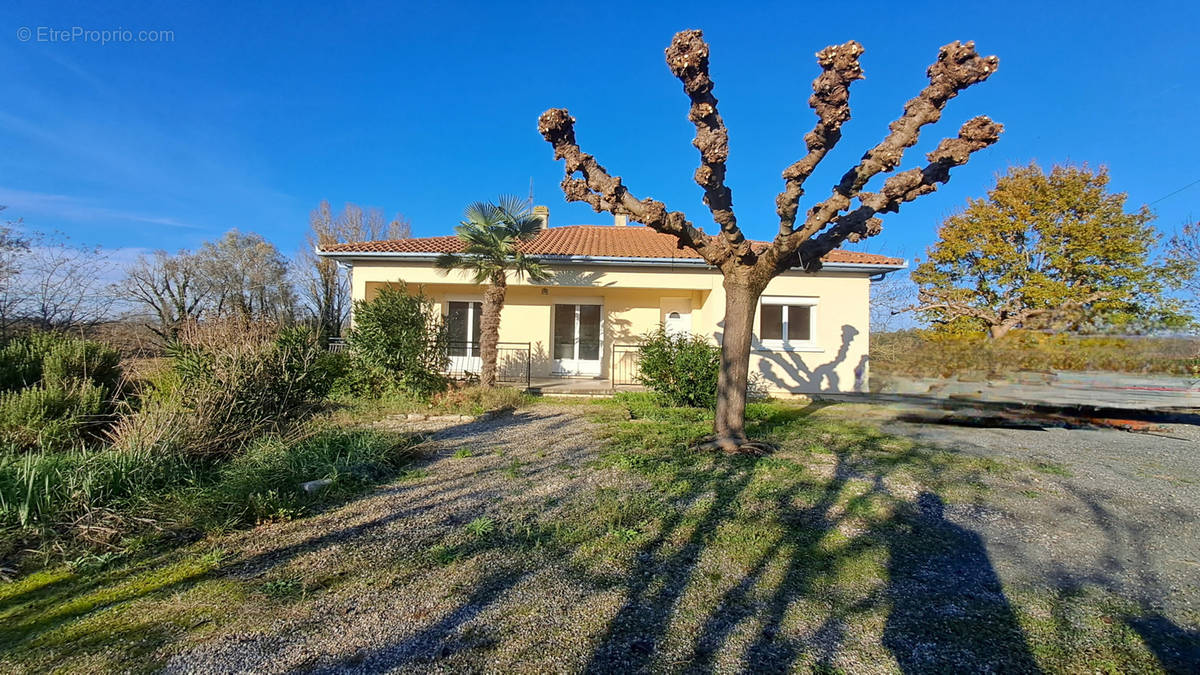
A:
(632, 300)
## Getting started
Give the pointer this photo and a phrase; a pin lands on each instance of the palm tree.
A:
(490, 236)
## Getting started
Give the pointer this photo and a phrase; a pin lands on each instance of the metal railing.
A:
(625, 368)
(513, 361)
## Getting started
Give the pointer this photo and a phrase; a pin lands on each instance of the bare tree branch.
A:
(831, 101)
(606, 193)
(687, 57)
(958, 66)
(976, 134)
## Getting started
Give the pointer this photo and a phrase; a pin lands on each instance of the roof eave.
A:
(861, 268)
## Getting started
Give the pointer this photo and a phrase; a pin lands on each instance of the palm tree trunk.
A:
(489, 327)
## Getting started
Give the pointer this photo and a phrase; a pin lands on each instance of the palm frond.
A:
(483, 214)
(514, 207)
(490, 235)
(449, 261)
(527, 228)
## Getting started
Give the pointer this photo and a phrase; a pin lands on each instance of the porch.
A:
(518, 365)
(578, 386)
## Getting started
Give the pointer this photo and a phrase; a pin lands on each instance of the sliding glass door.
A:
(577, 339)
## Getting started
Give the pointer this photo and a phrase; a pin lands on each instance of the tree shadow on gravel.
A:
(925, 585)
(932, 565)
(660, 576)
(948, 607)
(436, 641)
(1177, 648)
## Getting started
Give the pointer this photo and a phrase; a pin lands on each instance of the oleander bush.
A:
(229, 383)
(682, 368)
(397, 345)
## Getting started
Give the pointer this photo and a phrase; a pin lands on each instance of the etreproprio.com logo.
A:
(100, 36)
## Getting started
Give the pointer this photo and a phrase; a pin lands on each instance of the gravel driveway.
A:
(1113, 508)
(390, 618)
(1106, 509)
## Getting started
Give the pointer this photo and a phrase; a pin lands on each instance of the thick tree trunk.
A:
(999, 330)
(741, 301)
(489, 327)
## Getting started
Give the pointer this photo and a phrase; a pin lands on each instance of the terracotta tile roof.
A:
(633, 241)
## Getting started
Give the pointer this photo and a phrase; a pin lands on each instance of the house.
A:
(614, 283)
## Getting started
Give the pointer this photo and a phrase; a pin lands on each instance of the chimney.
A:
(543, 212)
(620, 220)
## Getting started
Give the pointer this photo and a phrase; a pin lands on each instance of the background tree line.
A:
(49, 282)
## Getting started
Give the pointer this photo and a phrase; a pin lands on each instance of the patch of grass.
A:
(1052, 468)
(115, 618)
(412, 474)
(513, 470)
(282, 588)
(93, 562)
(463, 453)
(444, 554)
(481, 527)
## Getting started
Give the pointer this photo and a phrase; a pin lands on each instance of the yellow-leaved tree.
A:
(1055, 250)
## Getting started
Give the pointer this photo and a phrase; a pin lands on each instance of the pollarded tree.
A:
(1053, 250)
(490, 236)
(801, 242)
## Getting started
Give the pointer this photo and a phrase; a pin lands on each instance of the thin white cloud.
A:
(22, 202)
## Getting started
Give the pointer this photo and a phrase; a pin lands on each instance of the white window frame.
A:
(787, 345)
(471, 339)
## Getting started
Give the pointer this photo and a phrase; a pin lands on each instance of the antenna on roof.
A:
(531, 190)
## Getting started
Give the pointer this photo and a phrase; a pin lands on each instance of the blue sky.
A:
(254, 113)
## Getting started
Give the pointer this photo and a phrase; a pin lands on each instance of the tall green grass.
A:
(53, 497)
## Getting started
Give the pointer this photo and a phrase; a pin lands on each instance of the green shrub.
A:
(54, 390)
(230, 382)
(51, 416)
(682, 368)
(55, 358)
(398, 342)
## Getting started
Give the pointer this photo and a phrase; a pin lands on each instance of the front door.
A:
(462, 329)
(677, 315)
(577, 339)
